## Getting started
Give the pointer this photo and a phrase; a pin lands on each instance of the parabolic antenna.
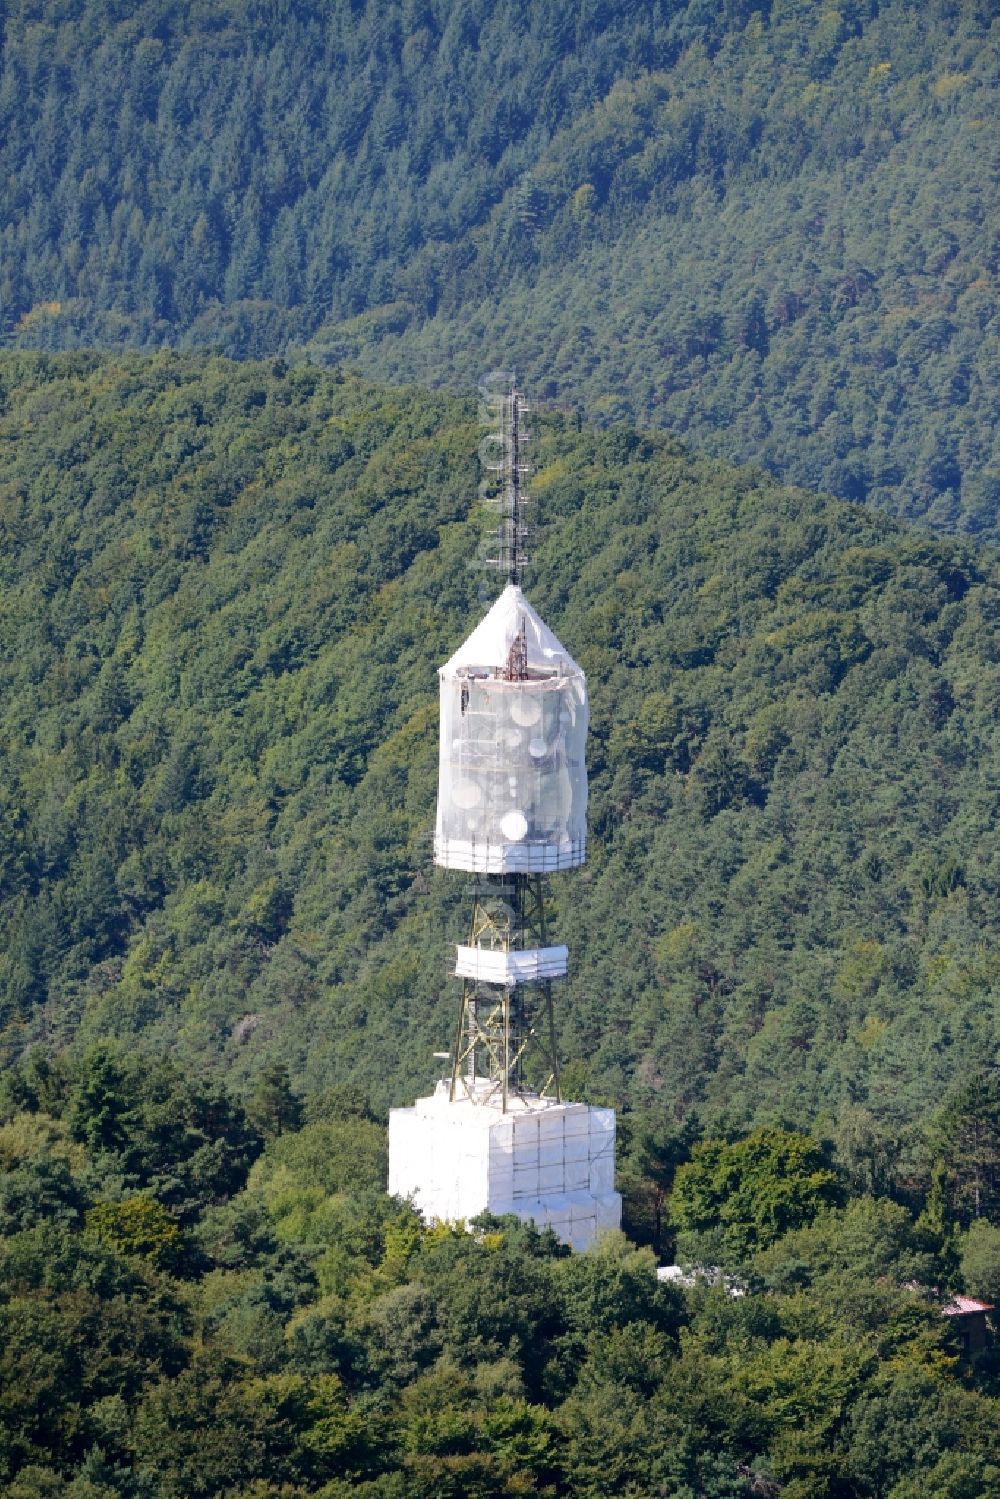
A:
(525, 711)
(466, 794)
(514, 825)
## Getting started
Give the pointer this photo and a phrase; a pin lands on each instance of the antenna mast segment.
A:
(512, 471)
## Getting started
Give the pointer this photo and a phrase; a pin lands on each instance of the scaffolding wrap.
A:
(525, 966)
(553, 1164)
(512, 783)
(497, 1133)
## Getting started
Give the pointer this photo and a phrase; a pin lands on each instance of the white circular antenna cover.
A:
(525, 711)
(466, 794)
(514, 825)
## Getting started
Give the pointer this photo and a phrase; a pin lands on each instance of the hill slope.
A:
(767, 227)
(224, 590)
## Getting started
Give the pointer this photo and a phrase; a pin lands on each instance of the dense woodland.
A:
(769, 227)
(199, 1298)
(764, 228)
(226, 589)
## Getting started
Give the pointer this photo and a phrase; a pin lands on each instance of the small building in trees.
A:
(971, 1322)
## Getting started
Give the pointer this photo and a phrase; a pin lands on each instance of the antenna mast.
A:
(504, 409)
(513, 530)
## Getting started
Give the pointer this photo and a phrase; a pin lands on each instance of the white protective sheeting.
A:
(488, 647)
(549, 1163)
(512, 783)
(523, 966)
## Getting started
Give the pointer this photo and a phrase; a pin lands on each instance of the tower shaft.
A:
(505, 1035)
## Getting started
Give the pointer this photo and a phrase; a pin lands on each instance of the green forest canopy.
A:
(225, 591)
(202, 1300)
(767, 226)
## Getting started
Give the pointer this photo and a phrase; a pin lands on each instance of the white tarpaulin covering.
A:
(524, 966)
(512, 784)
(488, 647)
(551, 1163)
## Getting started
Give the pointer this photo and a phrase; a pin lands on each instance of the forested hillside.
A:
(198, 1302)
(224, 591)
(768, 227)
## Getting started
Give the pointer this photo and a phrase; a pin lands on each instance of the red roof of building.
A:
(964, 1306)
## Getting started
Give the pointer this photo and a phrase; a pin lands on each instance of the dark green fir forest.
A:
(768, 225)
(253, 257)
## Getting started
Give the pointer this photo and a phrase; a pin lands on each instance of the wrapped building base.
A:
(550, 1163)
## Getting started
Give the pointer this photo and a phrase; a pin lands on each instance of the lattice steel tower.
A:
(512, 808)
(512, 800)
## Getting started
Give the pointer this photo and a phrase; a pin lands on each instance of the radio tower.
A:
(496, 1134)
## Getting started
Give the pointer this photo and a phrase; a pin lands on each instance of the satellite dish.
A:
(514, 825)
(525, 711)
(466, 794)
(491, 452)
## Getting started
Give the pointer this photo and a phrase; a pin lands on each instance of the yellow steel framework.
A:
(503, 1026)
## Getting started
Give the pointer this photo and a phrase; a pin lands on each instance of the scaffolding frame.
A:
(499, 1025)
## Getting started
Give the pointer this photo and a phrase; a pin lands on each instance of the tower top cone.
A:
(487, 651)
